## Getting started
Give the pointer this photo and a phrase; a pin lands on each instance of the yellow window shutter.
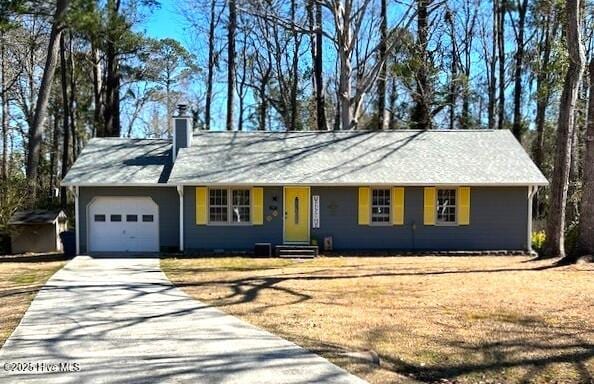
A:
(201, 205)
(397, 206)
(258, 206)
(464, 205)
(429, 206)
(363, 205)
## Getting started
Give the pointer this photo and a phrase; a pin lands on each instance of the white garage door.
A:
(123, 224)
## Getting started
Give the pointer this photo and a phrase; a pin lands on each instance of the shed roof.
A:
(399, 157)
(115, 161)
(36, 216)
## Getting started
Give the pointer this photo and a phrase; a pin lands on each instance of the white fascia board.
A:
(520, 184)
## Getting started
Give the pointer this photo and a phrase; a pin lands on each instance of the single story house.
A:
(37, 230)
(368, 190)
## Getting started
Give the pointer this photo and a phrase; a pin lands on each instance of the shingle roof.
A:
(37, 216)
(400, 157)
(114, 161)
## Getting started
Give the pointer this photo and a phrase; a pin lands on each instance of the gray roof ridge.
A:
(131, 138)
(354, 131)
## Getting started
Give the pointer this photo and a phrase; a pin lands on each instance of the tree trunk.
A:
(36, 128)
(211, 65)
(112, 80)
(99, 129)
(501, 50)
(294, 69)
(517, 125)
(72, 101)
(4, 106)
(66, 117)
(318, 62)
(492, 67)
(453, 70)
(585, 243)
(55, 151)
(543, 93)
(555, 228)
(381, 81)
(392, 100)
(422, 112)
(231, 63)
(263, 107)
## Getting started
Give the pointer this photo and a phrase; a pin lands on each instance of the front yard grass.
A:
(20, 280)
(454, 319)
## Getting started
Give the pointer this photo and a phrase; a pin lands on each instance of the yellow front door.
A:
(297, 214)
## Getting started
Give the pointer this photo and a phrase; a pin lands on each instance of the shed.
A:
(37, 230)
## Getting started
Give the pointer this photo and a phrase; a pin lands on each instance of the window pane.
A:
(380, 206)
(115, 218)
(147, 218)
(446, 205)
(100, 218)
(132, 218)
(218, 205)
(240, 210)
(241, 214)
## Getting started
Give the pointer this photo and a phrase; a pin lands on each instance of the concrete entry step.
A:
(296, 251)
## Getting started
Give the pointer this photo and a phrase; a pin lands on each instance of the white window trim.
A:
(446, 223)
(380, 223)
(229, 221)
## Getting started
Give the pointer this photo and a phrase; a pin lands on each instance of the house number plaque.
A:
(315, 221)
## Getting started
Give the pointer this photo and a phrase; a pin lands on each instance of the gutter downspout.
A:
(532, 189)
(180, 192)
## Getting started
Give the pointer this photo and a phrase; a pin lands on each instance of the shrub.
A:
(538, 240)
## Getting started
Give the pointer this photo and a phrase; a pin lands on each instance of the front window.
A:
(229, 206)
(446, 206)
(241, 205)
(218, 210)
(380, 206)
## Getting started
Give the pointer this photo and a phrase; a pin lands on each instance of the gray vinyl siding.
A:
(166, 198)
(233, 237)
(498, 221)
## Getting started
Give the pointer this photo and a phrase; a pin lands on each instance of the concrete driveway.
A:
(122, 321)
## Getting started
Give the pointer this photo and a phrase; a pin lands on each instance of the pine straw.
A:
(19, 283)
(454, 319)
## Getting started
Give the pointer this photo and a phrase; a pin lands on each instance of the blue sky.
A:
(164, 22)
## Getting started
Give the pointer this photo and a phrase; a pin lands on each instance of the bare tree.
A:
(543, 81)
(4, 106)
(519, 30)
(453, 91)
(315, 20)
(212, 60)
(470, 10)
(381, 81)
(585, 244)
(500, 12)
(231, 27)
(348, 19)
(111, 113)
(556, 220)
(36, 129)
(421, 116)
(65, 117)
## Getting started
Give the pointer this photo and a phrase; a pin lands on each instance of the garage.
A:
(123, 224)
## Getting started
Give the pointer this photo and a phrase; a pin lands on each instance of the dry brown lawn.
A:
(446, 319)
(20, 280)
